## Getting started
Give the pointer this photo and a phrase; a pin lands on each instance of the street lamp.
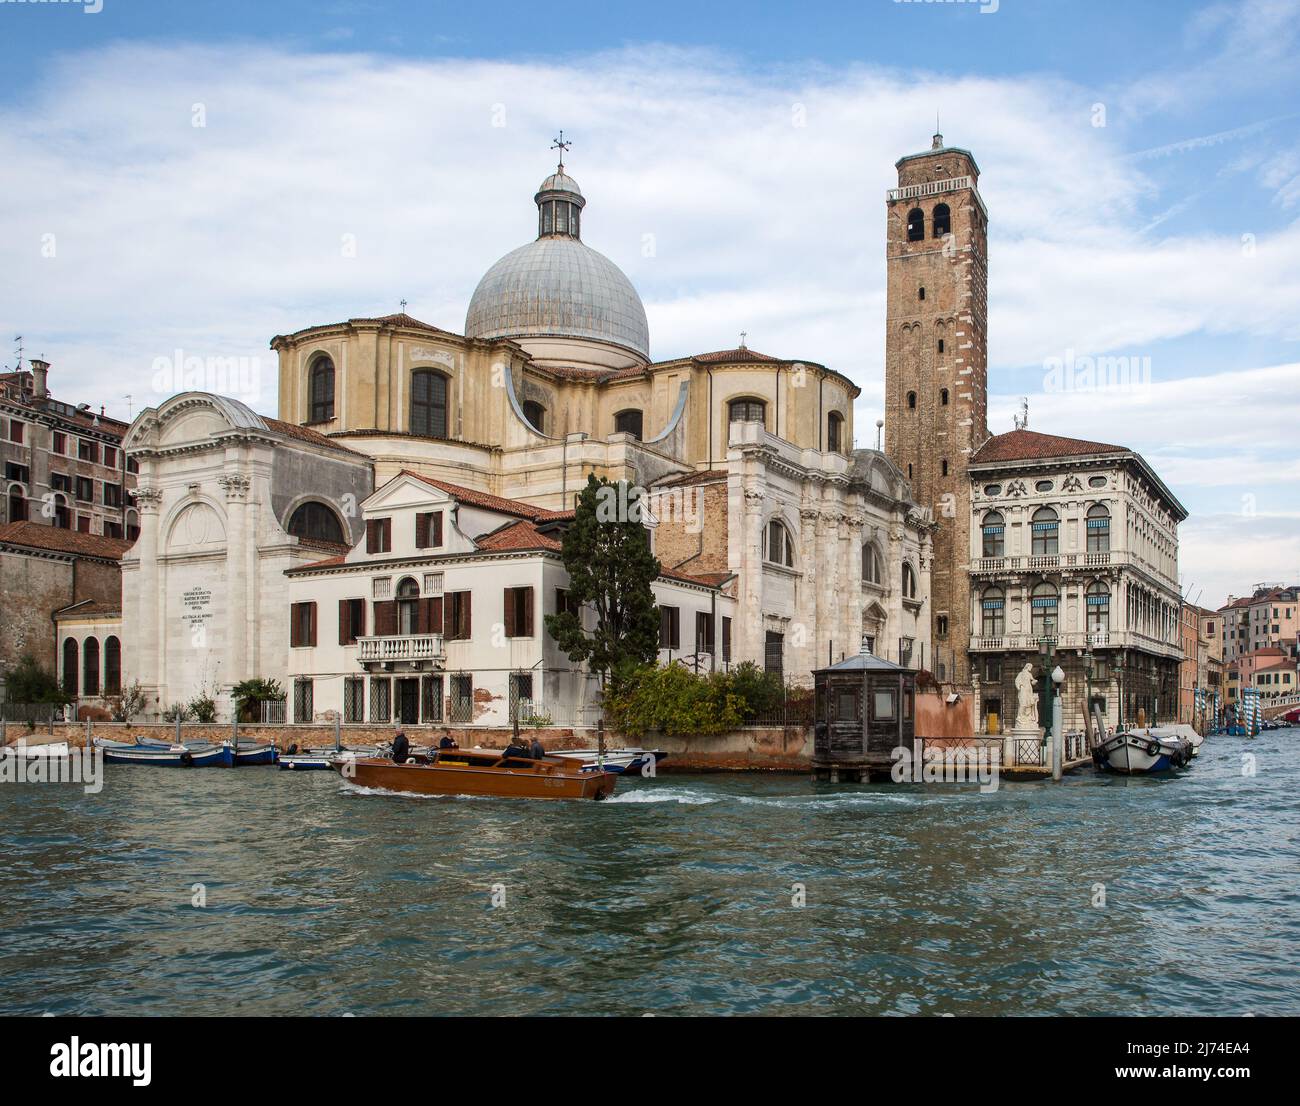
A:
(1058, 735)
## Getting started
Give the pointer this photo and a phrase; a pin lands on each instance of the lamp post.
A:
(1058, 734)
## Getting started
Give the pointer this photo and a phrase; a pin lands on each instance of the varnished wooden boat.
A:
(475, 772)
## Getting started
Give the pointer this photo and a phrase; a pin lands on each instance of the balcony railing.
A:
(1095, 639)
(1055, 562)
(412, 647)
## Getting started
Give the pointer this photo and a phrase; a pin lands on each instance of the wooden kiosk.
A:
(865, 708)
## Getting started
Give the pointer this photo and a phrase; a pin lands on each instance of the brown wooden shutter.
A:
(421, 530)
(386, 618)
(358, 618)
(528, 612)
(293, 627)
(372, 536)
(345, 622)
(726, 639)
(466, 611)
(311, 623)
(665, 628)
(510, 612)
(433, 614)
(386, 534)
(437, 529)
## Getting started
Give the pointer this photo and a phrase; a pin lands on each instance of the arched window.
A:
(70, 666)
(322, 390)
(112, 666)
(780, 547)
(871, 564)
(132, 525)
(90, 666)
(17, 504)
(1098, 529)
(909, 581)
(428, 404)
(746, 410)
(1097, 601)
(1043, 603)
(1046, 529)
(316, 522)
(943, 396)
(993, 612)
(535, 413)
(834, 432)
(911, 401)
(994, 535)
(628, 422)
(916, 225)
(942, 221)
(408, 607)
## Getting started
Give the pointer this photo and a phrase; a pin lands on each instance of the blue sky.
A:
(1141, 163)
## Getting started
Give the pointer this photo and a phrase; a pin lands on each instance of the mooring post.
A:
(338, 731)
(178, 729)
(87, 733)
(600, 742)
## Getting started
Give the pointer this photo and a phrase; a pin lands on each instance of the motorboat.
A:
(478, 772)
(627, 761)
(1134, 752)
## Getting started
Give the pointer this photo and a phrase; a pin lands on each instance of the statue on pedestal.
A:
(1026, 699)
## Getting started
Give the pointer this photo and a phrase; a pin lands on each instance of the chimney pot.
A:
(40, 378)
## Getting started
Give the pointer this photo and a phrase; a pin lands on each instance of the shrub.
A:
(203, 707)
(672, 701)
(761, 692)
(126, 706)
(177, 712)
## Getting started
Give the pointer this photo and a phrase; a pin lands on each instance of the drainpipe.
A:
(710, 409)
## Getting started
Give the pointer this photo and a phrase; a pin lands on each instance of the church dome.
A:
(557, 287)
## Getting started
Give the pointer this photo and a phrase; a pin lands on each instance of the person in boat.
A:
(401, 748)
(447, 741)
(536, 749)
(517, 750)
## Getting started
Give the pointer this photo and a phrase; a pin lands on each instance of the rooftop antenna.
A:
(562, 145)
(403, 303)
(18, 353)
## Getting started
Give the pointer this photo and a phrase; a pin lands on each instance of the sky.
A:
(189, 180)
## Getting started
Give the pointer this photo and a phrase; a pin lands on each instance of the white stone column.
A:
(146, 659)
(239, 582)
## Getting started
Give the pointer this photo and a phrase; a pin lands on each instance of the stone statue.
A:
(1026, 699)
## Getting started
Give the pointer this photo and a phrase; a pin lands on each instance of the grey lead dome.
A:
(558, 287)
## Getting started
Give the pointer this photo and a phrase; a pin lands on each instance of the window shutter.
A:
(372, 536)
(466, 610)
(433, 616)
(510, 612)
(311, 623)
(386, 618)
(528, 612)
(422, 530)
(345, 622)
(726, 639)
(437, 528)
(293, 627)
(385, 535)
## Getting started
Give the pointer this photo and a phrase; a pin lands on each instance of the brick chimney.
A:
(40, 378)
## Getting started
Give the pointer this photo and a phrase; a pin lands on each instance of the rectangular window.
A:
(17, 472)
(354, 699)
(60, 482)
(112, 495)
(462, 697)
(521, 696)
(87, 450)
(459, 626)
(726, 639)
(85, 489)
(882, 707)
(433, 583)
(703, 632)
(110, 456)
(303, 710)
(352, 620)
(16, 429)
(774, 652)
(670, 628)
(431, 699)
(519, 612)
(564, 601)
(83, 524)
(59, 443)
(428, 530)
(112, 529)
(302, 625)
(379, 535)
(382, 587)
(380, 691)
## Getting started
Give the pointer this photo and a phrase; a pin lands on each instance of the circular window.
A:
(992, 489)
(1043, 486)
(1096, 481)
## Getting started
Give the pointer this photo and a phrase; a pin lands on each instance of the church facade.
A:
(760, 510)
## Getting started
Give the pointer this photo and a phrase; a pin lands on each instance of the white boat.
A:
(1178, 730)
(1139, 752)
(622, 761)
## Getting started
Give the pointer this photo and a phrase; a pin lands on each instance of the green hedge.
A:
(675, 701)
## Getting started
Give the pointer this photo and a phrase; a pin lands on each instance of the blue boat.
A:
(162, 755)
(225, 754)
(254, 752)
(311, 761)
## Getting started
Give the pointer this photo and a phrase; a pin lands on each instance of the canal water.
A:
(679, 896)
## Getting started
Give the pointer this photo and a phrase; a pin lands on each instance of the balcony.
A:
(1055, 562)
(1098, 639)
(411, 647)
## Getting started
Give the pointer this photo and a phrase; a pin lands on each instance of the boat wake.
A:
(664, 795)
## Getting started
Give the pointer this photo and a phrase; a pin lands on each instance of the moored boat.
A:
(1139, 752)
(627, 761)
(307, 760)
(254, 752)
(160, 754)
(479, 772)
(40, 750)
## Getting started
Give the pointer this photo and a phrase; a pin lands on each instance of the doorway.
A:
(408, 702)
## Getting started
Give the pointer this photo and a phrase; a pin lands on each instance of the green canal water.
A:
(676, 897)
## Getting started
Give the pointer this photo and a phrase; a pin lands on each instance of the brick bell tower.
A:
(936, 368)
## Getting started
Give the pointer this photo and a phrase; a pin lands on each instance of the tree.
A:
(248, 694)
(28, 682)
(131, 702)
(611, 568)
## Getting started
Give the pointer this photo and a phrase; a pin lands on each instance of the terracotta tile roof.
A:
(1029, 445)
(35, 536)
(324, 546)
(327, 563)
(401, 318)
(740, 354)
(307, 434)
(482, 499)
(705, 579)
(518, 536)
